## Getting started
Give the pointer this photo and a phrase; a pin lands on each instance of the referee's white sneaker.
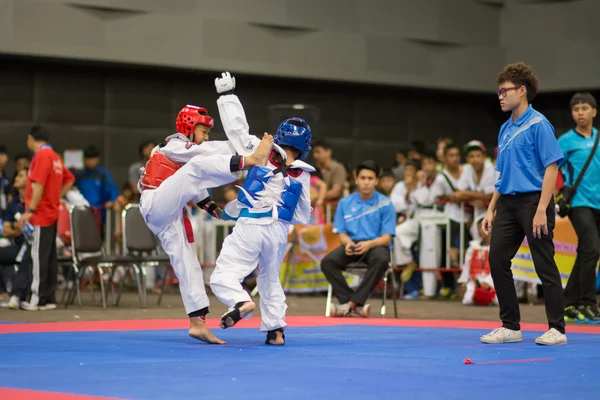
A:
(502, 335)
(552, 338)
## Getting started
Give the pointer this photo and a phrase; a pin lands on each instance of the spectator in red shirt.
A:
(47, 182)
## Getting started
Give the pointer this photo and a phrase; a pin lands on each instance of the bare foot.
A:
(278, 341)
(260, 156)
(198, 330)
(230, 318)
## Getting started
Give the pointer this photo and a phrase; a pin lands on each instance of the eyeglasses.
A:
(502, 92)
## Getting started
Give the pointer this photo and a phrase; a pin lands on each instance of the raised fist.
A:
(226, 83)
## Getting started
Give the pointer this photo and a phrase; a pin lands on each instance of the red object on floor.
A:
(468, 361)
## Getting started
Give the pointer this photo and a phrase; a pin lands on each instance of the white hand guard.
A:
(225, 84)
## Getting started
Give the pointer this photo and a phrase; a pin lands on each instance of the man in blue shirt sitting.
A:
(577, 145)
(366, 223)
(95, 182)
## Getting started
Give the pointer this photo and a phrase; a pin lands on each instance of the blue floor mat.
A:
(337, 362)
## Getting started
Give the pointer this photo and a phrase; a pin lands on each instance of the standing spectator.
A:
(333, 172)
(5, 184)
(365, 222)
(401, 159)
(95, 182)
(577, 146)
(18, 251)
(523, 206)
(478, 180)
(144, 149)
(318, 191)
(447, 183)
(440, 152)
(48, 181)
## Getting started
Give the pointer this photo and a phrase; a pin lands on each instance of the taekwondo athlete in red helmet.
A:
(179, 171)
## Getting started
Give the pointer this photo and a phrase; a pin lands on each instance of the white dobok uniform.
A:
(267, 204)
(206, 165)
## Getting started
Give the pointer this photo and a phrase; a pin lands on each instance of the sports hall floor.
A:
(131, 353)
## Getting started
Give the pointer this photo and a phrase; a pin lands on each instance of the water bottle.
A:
(28, 231)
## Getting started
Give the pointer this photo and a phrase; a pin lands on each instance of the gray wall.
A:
(452, 44)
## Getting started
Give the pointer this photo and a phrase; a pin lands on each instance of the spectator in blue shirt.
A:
(523, 206)
(95, 182)
(577, 145)
(365, 222)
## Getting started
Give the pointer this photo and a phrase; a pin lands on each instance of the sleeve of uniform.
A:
(40, 168)
(202, 194)
(182, 151)
(388, 220)
(235, 125)
(547, 146)
(563, 143)
(303, 210)
(438, 188)
(339, 223)
(397, 197)
(422, 196)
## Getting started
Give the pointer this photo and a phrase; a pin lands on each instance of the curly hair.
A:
(520, 74)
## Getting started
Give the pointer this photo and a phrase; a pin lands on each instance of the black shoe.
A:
(591, 314)
(572, 314)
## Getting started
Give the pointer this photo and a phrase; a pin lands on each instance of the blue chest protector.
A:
(255, 182)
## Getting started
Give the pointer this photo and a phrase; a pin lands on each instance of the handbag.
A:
(567, 193)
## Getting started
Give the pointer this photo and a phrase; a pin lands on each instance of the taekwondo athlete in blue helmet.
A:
(272, 198)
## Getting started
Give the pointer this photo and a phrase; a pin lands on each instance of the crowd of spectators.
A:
(376, 212)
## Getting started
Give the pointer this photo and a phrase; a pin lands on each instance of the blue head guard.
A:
(294, 132)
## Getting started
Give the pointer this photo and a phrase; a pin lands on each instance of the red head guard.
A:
(189, 117)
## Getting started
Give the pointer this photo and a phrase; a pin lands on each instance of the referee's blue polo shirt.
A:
(525, 148)
(365, 219)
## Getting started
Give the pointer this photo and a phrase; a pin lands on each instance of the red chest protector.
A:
(158, 169)
(480, 263)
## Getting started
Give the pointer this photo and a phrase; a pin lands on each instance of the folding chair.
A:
(140, 243)
(359, 268)
(87, 250)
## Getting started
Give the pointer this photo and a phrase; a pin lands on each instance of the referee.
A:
(523, 206)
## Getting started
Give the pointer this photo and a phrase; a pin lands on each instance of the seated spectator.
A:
(411, 198)
(365, 223)
(318, 191)
(5, 184)
(17, 250)
(22, 161)
(387, 180)
(479, 289)
(95, 182)
(126, 197)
